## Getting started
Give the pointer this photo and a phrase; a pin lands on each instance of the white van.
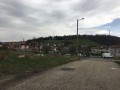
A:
(107, 55)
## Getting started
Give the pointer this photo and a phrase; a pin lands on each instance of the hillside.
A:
(70, 42)
(90, 40)
(81, 42)
(103, 39)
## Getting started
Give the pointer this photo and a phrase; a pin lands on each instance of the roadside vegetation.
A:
(117, 60)
(14, 62)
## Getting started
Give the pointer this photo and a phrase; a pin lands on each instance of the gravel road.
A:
(89, 74)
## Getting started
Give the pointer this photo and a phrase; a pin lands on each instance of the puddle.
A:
(68, 69)
(114, 68)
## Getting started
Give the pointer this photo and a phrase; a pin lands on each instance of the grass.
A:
(117, 61)
(81, 42)
(11, 64)
(54, 41)
(85, 42)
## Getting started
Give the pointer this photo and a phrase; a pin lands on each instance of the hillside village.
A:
(62, 48)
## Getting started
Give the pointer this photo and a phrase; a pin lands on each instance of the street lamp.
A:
(77, 33)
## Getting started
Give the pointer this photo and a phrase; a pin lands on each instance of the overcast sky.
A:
(37, 18)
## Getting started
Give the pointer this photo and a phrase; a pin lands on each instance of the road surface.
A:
(89, 74)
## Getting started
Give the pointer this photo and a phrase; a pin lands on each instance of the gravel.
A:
(89, 74)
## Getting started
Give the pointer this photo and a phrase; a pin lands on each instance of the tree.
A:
(72, 49)
(46, 49)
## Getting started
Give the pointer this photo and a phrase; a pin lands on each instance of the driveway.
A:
(89, 74)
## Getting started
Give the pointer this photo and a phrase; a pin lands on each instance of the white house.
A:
(115, 50)
(24, 47)
(100, 49)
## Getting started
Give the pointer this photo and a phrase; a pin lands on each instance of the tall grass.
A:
(11, 64)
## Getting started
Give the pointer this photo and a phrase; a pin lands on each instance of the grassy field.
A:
(81, 42)
(10, 63)
(85, 42)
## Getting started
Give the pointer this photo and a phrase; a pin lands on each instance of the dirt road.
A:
(89, 74)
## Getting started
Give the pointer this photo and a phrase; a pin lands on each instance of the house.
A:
(24, 47)
(115, 50)
(100, 49)
(12, 45)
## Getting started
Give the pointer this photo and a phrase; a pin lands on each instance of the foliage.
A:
(72, 49)
(30, 63)
(94, 54)
(64, 51)
(117, 61)
(91, 40)
(46, 49)
(3, 48)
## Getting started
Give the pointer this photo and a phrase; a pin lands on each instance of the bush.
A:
(3, 48)
(72, 49)
(3, 55)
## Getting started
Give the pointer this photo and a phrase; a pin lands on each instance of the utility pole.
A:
(77, 35)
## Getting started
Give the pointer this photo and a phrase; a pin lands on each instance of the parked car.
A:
(107, 55)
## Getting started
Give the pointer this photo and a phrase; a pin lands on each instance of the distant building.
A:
(1, 44)
(99, 49)
(24, 47)
(115, 50)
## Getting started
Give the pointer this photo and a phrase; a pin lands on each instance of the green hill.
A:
(90, 40)
(81, 42)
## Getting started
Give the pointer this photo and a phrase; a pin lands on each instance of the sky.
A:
(25, 19)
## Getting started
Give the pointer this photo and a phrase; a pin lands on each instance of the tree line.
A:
(101, 39)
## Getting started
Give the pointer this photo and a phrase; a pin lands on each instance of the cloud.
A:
(98, 12)
(27, 18)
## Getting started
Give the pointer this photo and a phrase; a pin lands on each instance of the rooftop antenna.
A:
(109, 32)
(53, 35)
(23, 42)
(23, 39)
